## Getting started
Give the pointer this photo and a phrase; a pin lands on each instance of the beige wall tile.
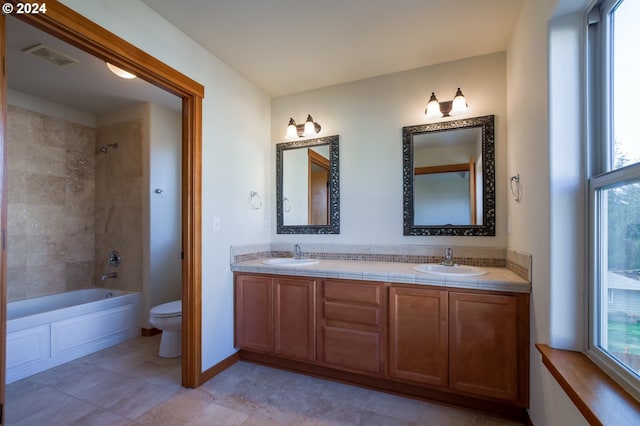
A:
(16, 218)
(45, 250)
(51, 204)
(16, 165)
(79, 197)
(80, 165)
(79, 275)
(45, 190)
(17, 251)
(69, 205)
(79, 248)
(48, 160)
(16, 186)
(80, 224)
(45, 219)
(33, 128)
(118, 200)
(47, 279)
(17, 283)
(55, 132)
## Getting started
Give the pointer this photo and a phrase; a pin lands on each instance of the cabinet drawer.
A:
(365, 315)
(356, 314)
(352, 349)
(355, 292)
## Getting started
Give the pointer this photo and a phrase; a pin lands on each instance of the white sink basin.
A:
(456, 270)
(290, 261)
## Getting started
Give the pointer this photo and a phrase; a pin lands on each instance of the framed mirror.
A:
(448, 178)
(308, 186)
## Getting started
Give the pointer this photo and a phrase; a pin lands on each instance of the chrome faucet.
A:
(297, 252)
(448, 257)
(109, 275)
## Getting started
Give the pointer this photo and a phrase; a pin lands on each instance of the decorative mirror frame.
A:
(488, 227)
(334, 187)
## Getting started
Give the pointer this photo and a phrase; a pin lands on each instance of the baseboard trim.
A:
(148, 332)
(527, 420)
(211, 372)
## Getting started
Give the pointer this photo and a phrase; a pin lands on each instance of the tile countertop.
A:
(497, 279)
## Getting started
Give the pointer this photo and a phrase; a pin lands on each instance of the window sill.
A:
(600, 400)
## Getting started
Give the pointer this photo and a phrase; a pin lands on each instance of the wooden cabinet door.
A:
(253, 313)
(483, 344)
(418, 335)
(294, 318)
(351, 329)
(352, 349)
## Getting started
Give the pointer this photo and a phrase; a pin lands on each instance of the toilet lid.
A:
(170, 309)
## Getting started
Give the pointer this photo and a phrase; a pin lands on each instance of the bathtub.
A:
(43, 332)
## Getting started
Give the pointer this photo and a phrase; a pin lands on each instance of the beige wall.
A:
(531, 154)
(51, 198)
(369, 115)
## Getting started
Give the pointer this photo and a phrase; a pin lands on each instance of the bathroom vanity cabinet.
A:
(466, 347)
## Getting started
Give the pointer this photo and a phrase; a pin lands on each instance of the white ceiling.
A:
(86, 86)
(282, 46)
(289, 46)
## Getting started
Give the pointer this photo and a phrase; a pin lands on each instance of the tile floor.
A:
(129, 384)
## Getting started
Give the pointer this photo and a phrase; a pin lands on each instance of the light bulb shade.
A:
(433, 107)
(459, 103)
(309, 127)
(292, 129)
(120, 72)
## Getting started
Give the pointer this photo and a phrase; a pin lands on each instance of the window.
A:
(614, 188)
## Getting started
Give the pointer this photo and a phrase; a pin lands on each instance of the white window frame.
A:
(601, 177)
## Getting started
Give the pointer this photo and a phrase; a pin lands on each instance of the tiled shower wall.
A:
(68, 206)
(50, 202)
(119, 204)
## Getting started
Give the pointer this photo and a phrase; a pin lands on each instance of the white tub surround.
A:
(43, 332)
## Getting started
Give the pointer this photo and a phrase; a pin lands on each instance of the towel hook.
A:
(515, 187)
(255, 201)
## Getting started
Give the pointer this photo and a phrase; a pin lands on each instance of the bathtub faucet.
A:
(110, 275)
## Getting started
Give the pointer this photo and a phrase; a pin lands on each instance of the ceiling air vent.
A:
(50, 55)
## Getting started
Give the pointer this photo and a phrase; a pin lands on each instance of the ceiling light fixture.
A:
(446, 108)
(120, 72)
(308, 129)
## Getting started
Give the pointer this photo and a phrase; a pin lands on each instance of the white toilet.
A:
(168, 318)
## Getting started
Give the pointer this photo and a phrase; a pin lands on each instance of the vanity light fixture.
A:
(309, 128)
(119, 71)
(446, 108)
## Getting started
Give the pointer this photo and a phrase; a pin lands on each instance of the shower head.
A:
(104, 148)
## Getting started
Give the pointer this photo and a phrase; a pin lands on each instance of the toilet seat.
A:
(166, 310)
